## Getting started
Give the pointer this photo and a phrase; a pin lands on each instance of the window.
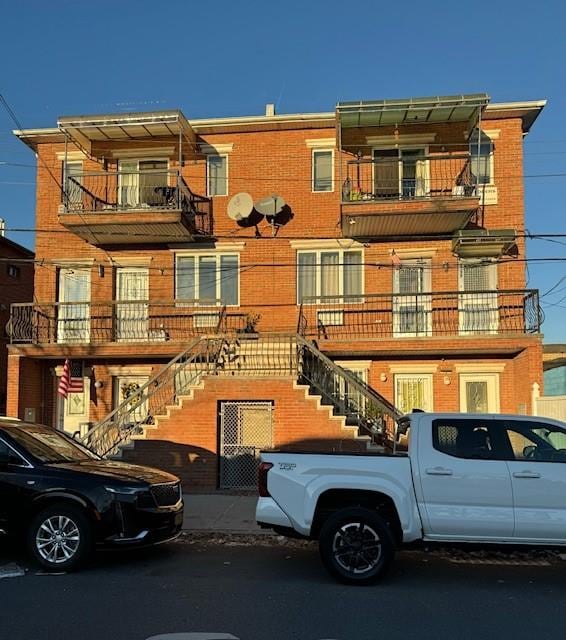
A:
(323, 170)
(324, 274)
(73, 182)
(400, 173)
(9, 456)
(465, 439)
(481, 153)
(478, 306)
(537, 441)
(208, 279)
(413, 391)
(143, 183)
(13, 271)
(217, 175)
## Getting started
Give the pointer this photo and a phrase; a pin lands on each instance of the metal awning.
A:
(377, 113)
(484, 243)
(124, 126)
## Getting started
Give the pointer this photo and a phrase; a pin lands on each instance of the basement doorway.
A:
(245, 429)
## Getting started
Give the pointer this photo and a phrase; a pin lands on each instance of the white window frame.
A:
(491, 182)
(403, 300)
(493, 383)
(428, 391)
(217, 255)
(318, 267)
(313, 153)
(467, 298)
(399, 149)
(208, 176)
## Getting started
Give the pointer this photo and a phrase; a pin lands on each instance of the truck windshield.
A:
(50, 446)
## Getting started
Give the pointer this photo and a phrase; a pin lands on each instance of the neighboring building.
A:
(395, 254)
(554, 364)
(16, 286)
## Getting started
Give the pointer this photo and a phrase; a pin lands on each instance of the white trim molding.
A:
(144, 152)
(222, 247)
(71, 156)
(140, 370)
(131, 261)
(321, 143)
(68, 263)
(354, 364)
(329, 243)
(401, 140)
(416, 369)
(216, 149)
(485, 367)
(413, 253)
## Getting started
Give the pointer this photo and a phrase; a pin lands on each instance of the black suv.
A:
(65, 499)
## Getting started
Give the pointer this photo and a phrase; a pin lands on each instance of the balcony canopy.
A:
(86, 130)
(436, 109)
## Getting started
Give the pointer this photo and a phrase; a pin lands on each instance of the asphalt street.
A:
(269, 589)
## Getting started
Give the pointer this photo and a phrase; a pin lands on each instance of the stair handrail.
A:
(117, 426)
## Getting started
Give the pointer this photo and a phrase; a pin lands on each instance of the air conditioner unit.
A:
(486, 243)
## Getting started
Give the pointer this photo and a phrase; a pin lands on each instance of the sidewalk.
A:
(219, 512)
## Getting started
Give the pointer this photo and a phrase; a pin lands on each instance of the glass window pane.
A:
(476, 396)
(217, 175)
(306, 275)
(229, 277)
(329, 273)
(207, 279)
(322, 171)
(352, 273)
(185, 278)
(481, 148)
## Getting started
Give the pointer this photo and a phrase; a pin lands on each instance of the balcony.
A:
(423, 315)
(146, 322)
(121, 207)
(408, 195)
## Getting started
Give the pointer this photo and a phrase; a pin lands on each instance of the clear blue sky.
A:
(230, 57)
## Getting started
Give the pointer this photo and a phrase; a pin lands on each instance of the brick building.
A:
(16, 285)
(373, 256)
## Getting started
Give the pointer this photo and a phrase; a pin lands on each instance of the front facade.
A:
(389, 235)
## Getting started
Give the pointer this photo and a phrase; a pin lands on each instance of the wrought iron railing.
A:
(448, 313)
(123, 191)
(408, 178)
(253, 355)
(119, 321)
(142, 406)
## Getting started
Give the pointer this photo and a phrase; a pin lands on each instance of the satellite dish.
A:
(270, 206)
(240, 206)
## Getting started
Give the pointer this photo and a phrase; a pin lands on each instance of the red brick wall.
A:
(187, 442)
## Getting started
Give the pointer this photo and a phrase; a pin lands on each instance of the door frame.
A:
(142, 302)
(429, 382)
(493, 382)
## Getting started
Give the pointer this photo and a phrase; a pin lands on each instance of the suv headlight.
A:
(126, 491)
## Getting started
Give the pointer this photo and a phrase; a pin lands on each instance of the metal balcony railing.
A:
(265, 355)
(448, 313)
(119, 321)
(408, 178)
(126, 191)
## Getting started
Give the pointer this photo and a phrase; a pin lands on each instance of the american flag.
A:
(71, 379)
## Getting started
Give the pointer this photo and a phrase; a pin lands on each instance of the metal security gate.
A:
(245, 429)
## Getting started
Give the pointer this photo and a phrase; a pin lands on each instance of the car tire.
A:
(60, 537)
(356, 546)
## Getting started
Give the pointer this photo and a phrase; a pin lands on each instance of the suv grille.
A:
(166, 495)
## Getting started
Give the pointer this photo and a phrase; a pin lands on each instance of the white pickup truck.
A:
(465, 478)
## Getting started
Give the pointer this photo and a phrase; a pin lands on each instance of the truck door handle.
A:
(526, 474)
(439, 471)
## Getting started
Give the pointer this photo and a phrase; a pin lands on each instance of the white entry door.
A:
(73, 412)
(73, 318)
(132, 312)
(479, 392)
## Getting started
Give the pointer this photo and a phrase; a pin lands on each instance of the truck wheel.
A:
(356, 546)
(60, 537)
